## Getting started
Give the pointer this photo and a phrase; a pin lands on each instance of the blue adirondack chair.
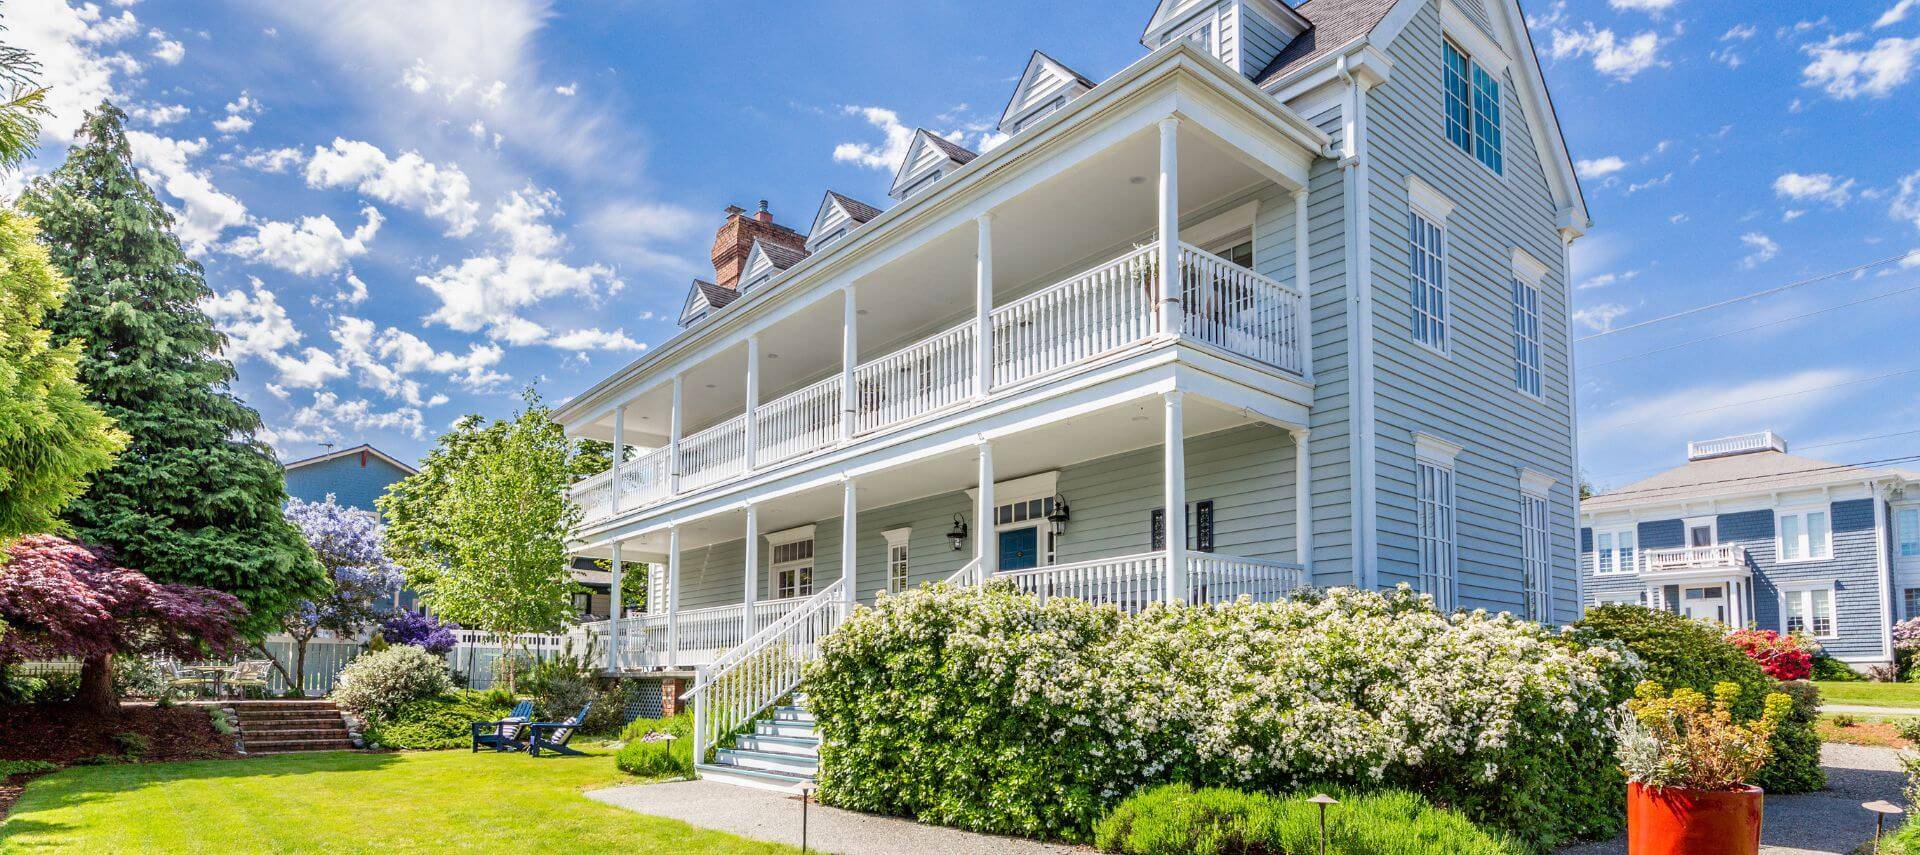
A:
(554, 735)
(507, 734)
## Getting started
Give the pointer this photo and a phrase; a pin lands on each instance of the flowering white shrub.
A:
(986, 709)
(376, 685)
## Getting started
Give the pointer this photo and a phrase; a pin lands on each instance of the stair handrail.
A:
(765, 682)
(967, 575)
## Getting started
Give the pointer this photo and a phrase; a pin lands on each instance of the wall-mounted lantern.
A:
(958, 535)
(1058, 516)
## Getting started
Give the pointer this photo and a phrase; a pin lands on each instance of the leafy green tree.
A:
(22, 106)
(480, 531)
(50, 438)
(195, 499)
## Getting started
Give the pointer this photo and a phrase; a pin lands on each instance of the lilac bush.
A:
(1906, 634)
(350, 543)
(422, 631)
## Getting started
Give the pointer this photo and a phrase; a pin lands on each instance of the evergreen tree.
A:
(195, 499)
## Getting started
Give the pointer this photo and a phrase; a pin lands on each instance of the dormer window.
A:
(757, 281)
(1035, 116)
(920, 185)
(1201, 34)
(1472, 107)
(830, 239)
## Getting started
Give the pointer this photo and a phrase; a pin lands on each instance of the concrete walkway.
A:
(764, 815)
(1857, 709)
(1829, 822)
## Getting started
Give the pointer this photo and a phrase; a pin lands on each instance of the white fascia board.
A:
(1057, 143)
(1428, 200)
(1528, 269)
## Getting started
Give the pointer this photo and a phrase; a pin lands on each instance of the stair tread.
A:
(770, 755)
(767, 774)
(783, 739)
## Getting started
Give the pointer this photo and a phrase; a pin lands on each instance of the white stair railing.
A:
(920, 378)
(1131, 582)
(1101, 310)
(799, 422)
(714, 455)
(1236, 309)
(967, 575)
(745, 681)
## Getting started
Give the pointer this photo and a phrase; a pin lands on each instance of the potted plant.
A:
(1687, 762)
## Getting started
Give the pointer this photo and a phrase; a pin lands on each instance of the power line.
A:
(1666, 416)
(1743, 298)
(1776, 322)
(1770, 476)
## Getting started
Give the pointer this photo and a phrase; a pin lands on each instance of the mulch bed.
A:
(65, 734)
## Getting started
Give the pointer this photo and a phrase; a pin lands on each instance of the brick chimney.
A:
(734, 241)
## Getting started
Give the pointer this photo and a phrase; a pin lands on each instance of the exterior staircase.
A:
(782, 753)
(283, 727)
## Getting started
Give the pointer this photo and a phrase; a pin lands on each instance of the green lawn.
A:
(347, 802)
(1871, 694)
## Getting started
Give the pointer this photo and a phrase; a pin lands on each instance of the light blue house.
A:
(354, 477)
(1749, 535)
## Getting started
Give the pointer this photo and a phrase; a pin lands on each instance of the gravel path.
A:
(1858, 709)
(1829, 822)
(764, 815)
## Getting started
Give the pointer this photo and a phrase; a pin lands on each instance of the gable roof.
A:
(958, 153)
(705, 296)
(1021, 103)
(858, 211)
(1754, 472)
(838, 214)
(1332, 23)
(918, 163)
(335, 455)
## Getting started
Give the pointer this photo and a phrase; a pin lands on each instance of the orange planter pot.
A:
(1676, 821)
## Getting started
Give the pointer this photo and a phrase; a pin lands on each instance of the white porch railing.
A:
(746, 680)
(1215, 578)
(1236, 309)
(799, 422)
(714, 455)
(1131, 582)
(1094, 313)
(1694, 557)
(1104, 310)
(920, 378)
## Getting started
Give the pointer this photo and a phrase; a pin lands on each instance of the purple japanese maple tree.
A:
(350, 543)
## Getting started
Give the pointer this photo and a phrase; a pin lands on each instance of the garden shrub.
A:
(423, 631)
(1682, 653)
(986, 709)
(1175, 819)
(443, 721)
(9, 768)
(1829, 669)
(375, 685)
(562, 684)
(661, 758)
(1779, 656)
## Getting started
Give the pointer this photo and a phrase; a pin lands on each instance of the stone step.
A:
(294, 733)
(767, 761)
(782, 728)
(278, 746)
(245, 707)
(269, 721)
(271, 715)
(779, 782)
(804, 746)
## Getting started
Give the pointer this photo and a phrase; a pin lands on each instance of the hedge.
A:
(1175, 819)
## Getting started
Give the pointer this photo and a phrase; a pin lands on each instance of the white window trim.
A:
(1429, 201)
(1620, 598)
(1536, 550)
(1894, 520)
(782, 538)
(1787, 589)
(1904, 591)
(1439, 454)
(1537, 484)
(1688, 524)
(1616, 531)
(1779, 542)
(1429, 204)
(1432, 449)
(1209, 19)
(897, 538)
(1471, 40)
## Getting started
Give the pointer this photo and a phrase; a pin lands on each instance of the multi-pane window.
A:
(1906, 532)
(1613, 551)
(1427, 244)
(1534, 545)
(1526, 337)
(1435, 503)
(793, 569)
(896, 568)
(1810, 610)
(1472, 107)
(1805, 536)
(1911, 598)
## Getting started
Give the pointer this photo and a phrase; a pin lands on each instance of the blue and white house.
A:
(1283, 302)
(354, 477)
(1750, 535)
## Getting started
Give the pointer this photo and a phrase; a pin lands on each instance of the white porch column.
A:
(673, 439)
(619, 451)
(1303, 501)
(752, 580)
(983, 307)
(613, 610)
(673, 595)
(753, 399)
(984, 542)
(1169, 226)
(1175, 453)
(1303, 278)
(849, 359)
(849, 543)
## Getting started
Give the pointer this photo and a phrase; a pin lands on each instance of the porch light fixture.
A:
(1058, 516)
(958, 535)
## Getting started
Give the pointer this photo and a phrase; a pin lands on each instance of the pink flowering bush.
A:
(1781, 656)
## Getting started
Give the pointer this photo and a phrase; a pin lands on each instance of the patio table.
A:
(214, 673)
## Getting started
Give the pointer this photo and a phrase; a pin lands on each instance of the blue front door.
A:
(1019, 549)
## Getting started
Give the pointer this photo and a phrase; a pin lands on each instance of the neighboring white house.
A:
(1283, 302)
(1749, 535)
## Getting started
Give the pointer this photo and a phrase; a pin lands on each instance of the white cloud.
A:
(1612, 56)
(1739, 33)
(1651, 7)
(167, 50)
(489, 291)
(1897, 13)
(439, 191)
(1906, 204)
(356, 292)
(1818, 186)
(208, 212)
(1764, 249)
(1911, 260)
(385, 360)
(231, 125)
(595, 339)
(1873, 72)
(522, 219)
(312, 369)
(274, 160)
(157, 114)
(885, 156)
(1599, 318)
(314, 246)
(1717, 408)
(1599, 167)
(255, 323)
(568, 90)
(324, 419)
(1661, 181)
(73, 45)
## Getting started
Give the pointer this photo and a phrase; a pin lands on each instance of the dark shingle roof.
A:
(858, 210)
(954, 150)
(1335, 22)
(782, 257)
(716, 296)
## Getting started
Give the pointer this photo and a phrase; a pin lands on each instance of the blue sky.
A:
(412, 210)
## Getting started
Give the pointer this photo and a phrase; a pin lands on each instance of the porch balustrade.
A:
(1102, 311)
(1695, 557)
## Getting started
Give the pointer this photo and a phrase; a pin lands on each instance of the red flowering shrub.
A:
(59, 598)
(1780, 656)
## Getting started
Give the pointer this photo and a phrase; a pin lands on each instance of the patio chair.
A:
(248, 674)
(197, 680)
(507, 734)
(554, 735)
